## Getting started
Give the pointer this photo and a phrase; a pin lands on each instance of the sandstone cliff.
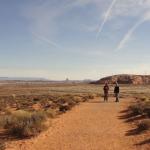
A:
(125, 79)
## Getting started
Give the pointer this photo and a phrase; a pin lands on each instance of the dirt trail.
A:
(92, 125)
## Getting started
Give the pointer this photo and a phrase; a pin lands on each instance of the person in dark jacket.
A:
(106, 89)
(116, 92)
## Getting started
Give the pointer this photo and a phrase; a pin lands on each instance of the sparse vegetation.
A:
(25, 115)
(144, 125)
(23, 123)
(24, 109)
(52, 113)
(2, 146)
(141, 108)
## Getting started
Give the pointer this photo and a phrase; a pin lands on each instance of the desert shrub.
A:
(136, 109)
(8, 111)
(65, 99)
(25, 124)
(147, 111)
(44, 102)
(90, 96)
(141, 108)
(23, 104)
(2, 105)
(77, 100)
(144, 125)
(71, 99)
(52, 106)
(14, 96)
(64, 107)
(61, 100)
(36, 100)
(39, 115)
(2, 146)
(146, 108)
(71, 102)
(143, 98)
(51, 113)
(85, 98)
(66, 102)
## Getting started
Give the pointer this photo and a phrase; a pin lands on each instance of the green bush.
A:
(25, 124)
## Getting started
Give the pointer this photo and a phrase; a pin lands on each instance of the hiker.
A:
(116, 92)
(106, 89)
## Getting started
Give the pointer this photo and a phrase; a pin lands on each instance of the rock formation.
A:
(125, 79)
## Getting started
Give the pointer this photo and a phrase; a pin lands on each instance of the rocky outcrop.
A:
(125, 79)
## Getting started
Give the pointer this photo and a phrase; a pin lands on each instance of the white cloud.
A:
(43, 17)
(128, 35)
(124, 8)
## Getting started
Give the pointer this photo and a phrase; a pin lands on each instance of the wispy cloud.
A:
(44, 18)
(128, 35)
(41, 17)
(46, 40)
(106, 17)
(129, 8)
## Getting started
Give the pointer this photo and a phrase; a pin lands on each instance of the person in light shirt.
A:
(116, 91)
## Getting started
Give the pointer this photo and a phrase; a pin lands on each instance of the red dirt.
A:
(92, 125)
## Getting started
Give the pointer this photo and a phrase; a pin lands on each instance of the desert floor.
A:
(92, 125)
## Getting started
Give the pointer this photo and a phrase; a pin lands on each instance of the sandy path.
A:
(90, 126)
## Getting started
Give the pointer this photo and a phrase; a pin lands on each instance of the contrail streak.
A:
(126, 38)
(44, 39)
(128, 35)
(106, 17)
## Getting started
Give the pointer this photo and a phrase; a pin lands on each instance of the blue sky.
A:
(78, 39)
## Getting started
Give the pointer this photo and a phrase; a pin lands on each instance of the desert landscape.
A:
(52, 116)
(74, 75)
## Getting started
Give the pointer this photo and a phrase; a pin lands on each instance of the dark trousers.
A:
(105, 96)
(117, 97)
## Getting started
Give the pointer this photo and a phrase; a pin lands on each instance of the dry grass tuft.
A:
(141, 108)
(2, 146)
(144, 125)
(24, 124)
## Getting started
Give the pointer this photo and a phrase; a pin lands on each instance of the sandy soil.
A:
(92, 125)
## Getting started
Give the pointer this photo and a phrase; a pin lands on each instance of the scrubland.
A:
(26, 109)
